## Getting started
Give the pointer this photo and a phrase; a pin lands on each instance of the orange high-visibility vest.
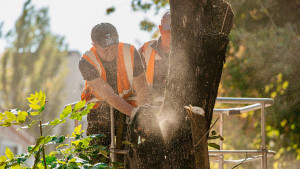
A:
(125, 64)
(150, 56)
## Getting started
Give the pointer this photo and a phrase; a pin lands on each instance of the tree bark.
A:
(199, 39)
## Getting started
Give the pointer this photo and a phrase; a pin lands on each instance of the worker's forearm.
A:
(119, 103)
(107, 93)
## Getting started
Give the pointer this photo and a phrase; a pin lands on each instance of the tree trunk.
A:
(199, 41)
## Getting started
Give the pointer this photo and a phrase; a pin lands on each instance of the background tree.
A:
(35, 60)
(263, 61)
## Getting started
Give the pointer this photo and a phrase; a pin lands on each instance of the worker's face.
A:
(109, 53)
(165, 37)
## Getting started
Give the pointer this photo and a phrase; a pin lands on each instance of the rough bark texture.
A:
(149, 154)
(198, 48)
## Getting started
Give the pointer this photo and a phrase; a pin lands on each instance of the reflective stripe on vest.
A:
(125, 63)
(150, 56)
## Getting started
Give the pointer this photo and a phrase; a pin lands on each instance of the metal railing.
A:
(218, 155)
(256, 104)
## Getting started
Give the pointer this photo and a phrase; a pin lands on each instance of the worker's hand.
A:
(145, 121)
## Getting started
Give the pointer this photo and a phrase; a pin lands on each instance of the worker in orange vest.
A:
(155, 55)
(114, 73)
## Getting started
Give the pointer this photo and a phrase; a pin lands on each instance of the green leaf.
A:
(42, 108)
(283, 123)
(56, 121)
(73, 160)
(40, 96)
(53, 153)
(56, 140)
(90, 106)
(2, 159)
(61, 145)
(104, 153)
(84, 112)
(35, 106)
(2, 166)
(35, 113)
(43, 100)
(28, 126)
(79, 105)
(213, 137)
(29, 148)
(273, 95)
(9, 154)
(10, 115)
(21, 159)
(213, 132)
(32, 100)
(285, 84)
(214, 145)
(36, 95)
(40, 166)
(50, 159)
(6, 123)
(2, 116)
(76, 116)
(85, 142)
(83, 156)
(22, 116)
(293, 126)
(66, 112)
(86, 166)
(110, 10)
(47, 139)
(61, 162)
(40, 141)
(77, 131)
(147, 25)
(16, 167)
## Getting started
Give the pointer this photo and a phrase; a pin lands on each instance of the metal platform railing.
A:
(255, 104)
(218, 155)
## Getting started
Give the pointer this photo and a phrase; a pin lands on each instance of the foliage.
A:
(214, 136)
(140, 5)
(110, 10)
(263, 62)
(147, 25)
(157, 5)
(72, 151)
(35, 59)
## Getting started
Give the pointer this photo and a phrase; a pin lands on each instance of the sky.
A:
(74, 20)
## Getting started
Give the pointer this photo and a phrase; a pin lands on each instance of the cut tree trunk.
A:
(199, 39)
